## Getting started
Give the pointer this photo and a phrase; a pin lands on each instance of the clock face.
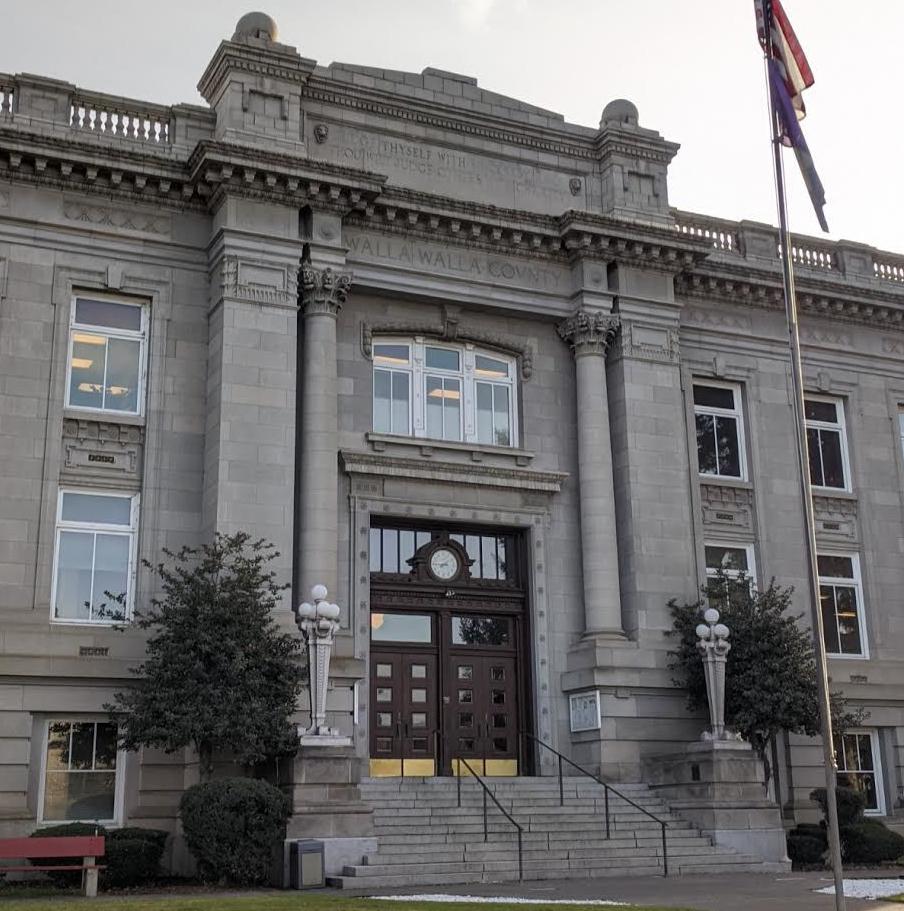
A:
(444, 564)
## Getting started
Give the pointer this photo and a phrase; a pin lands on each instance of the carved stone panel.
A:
(102, 450)
(726, 507)
(647, 343)
(836, 519)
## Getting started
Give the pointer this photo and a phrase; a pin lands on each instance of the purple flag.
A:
(793, 136)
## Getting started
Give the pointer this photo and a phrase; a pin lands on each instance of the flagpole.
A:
(822, 682)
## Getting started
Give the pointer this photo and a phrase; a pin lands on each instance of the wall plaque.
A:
(584, 709)
(93, 651)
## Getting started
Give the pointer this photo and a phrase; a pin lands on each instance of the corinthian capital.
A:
(588, 331)
(323, 290)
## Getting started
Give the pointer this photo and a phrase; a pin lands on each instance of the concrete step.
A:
(404, 845)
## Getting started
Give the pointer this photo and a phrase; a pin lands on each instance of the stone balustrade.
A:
(120, 118)
(7, 94)
(754, 241)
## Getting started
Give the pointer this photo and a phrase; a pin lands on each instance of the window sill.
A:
(478, 451)
(839, 656)
(839, 493)
(103, 417)
(93, 624)
(724, 481)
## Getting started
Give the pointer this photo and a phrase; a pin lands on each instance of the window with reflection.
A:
(444, 392)
(841, 601)
(720, 430)
(385, 627)
(729, 572)
(860, 768)
(826, 442)
(106, 366)
(474, 629)
(80, 769)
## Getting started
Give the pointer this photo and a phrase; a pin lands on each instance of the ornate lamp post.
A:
(713, 645)
(318, 623)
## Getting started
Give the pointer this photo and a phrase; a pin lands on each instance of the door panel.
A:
(404, 716)
(482, 721)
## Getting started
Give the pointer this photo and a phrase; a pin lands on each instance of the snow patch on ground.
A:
(868, 888)
(498, 900)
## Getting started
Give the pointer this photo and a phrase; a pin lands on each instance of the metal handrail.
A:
(487, 792)
(606, 789)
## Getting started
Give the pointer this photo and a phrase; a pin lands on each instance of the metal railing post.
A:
(485, 830)
(606, 795)
(561, 790)
(520, 858)
(665, 853)
(458, 782)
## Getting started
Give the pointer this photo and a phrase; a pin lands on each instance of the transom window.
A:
(826, 443)
(80, 772)
(94, 556)
(392, 548)
(733, 564)
(106, 366)
(720, 430)
(841, 599)
(444, 392)
(860, 768)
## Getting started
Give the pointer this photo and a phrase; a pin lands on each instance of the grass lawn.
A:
(268, 901)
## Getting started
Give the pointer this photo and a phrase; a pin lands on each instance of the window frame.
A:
(856, 582)
(737, 413)
(732, 574)
(119, 774)
(877, 770)
(140, 336)
(62, 525)
(841, 428)
(418, 372)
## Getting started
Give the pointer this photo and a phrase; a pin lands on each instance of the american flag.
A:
(786, 50)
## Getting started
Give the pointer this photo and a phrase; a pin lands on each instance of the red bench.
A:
(88, 847)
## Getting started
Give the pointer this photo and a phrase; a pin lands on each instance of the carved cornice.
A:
(102, 431)
(873, 307)
(588, 331)
(473, 475)
(450, 330)
(829, 508)
(323, 291)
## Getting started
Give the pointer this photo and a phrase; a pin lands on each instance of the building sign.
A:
(585, 711)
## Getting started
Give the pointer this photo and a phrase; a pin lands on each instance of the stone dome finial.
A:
(256, 25)
(619, 111)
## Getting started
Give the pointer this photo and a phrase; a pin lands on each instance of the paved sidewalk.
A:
(712, 892)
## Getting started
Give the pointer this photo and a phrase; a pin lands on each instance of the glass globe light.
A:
(318, 592)
(711, 615)
(703, 631)
(721, 630)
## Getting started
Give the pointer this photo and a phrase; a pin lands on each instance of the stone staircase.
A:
(425, 838)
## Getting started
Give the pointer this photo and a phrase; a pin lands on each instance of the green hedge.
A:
(850, 804)
(132, 855)
(870, 842)
(804, 849)
(233, 828)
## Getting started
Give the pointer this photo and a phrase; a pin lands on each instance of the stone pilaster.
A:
(323, 291)
(588, 333)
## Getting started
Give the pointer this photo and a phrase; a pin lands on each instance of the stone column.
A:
(589, 332)
(323, 293)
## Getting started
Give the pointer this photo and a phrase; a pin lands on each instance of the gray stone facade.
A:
(310, 210)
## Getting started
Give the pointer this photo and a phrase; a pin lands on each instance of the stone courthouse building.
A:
(463, 363)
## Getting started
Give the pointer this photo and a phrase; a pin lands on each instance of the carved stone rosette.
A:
(323, 290)
(589, 331)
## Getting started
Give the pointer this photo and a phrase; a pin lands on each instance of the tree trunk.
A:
(205, 761)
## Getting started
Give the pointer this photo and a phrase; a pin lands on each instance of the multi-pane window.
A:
(720, 430)
(443, 392)
(842, 611)
(729, 571)
(860, 768)
(94, 556)
(106, 356)
(80, 772)
(392, 548)
(826, 442)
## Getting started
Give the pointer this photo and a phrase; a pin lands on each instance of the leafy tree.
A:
(219, 674)
(771, 679)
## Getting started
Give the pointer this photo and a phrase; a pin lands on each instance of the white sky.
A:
(693, 68)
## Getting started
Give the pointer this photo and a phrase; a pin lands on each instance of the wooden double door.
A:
(447, 707)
